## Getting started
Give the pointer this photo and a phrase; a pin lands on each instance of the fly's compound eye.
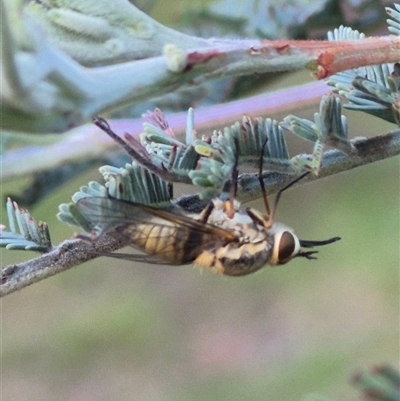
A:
(286, 246)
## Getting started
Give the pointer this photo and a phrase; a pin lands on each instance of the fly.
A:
(223, 238)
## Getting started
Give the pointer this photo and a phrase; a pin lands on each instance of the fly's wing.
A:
(173, 238)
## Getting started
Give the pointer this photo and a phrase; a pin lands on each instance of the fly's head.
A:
(285, 244)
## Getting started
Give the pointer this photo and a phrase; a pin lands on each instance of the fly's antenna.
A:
(268, 221)
(279, 193)
(260, 179)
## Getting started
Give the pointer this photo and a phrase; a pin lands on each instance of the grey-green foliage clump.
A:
(148, 190)
(373, 89)
(206, 163)
(25, 234)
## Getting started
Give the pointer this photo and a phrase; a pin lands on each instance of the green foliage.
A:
(381, 384)
(30, 236)
(374, 89)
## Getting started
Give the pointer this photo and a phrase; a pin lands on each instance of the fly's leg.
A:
(205, 214)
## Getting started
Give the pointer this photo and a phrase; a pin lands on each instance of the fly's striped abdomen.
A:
(166, 241)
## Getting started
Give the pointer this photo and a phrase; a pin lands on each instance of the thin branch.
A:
(73, 253)
(367, 151)
(68, 254)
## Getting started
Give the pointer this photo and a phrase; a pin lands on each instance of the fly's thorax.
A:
(256, 248)
(281, 244)
(249, 253)
(236, 259)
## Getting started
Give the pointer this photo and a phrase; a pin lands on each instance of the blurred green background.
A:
(113, 330)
